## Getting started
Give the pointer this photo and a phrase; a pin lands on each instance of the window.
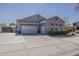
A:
(56, 29)
(52, 29)
(51, 24)
(60, 29)
(74, 24)
(56, 18)
(37, 16)
(56, 24)
(60, 25)
(77, 28)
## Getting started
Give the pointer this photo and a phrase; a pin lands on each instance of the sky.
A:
(10, 12)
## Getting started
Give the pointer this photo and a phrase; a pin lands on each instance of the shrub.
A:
(57, 33)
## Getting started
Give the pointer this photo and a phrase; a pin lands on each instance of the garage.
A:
(43, 29)
(29, 29)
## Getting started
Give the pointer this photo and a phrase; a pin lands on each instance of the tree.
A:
(68, 26)
(12, 24)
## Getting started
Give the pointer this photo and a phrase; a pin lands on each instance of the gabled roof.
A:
(56, 17)
(33, 19)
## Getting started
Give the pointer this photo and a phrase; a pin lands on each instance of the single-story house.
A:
(8, 29)
(1, 26)
(76, 26)
(38, 24)
(4, 28)
(13, 28)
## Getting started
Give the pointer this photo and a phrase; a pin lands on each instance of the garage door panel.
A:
(29, 29)
(43, 29)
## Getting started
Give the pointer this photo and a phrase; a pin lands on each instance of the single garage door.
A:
(43, 28)
(29, 29)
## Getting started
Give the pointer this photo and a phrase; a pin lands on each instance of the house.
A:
(13, 28)
(7, 29)
(30, 25)
(4, 28)
(10, 29)
(1, 26)
(38, 24)
(76, 26)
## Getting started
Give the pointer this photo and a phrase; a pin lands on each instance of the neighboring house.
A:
(4, 28)
(38, 24)
(13, 28)
(76, 26)
(7, 29)
(1, 26)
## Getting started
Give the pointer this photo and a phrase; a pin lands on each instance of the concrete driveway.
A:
(39, 45)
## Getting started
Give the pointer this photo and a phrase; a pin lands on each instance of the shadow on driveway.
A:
(16, 34)
(60, 36)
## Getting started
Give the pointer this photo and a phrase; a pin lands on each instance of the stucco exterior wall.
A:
(53, 23)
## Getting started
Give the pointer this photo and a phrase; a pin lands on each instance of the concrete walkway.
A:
(39, 45)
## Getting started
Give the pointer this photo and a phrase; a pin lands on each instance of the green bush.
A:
(57, 33)
(68, 31)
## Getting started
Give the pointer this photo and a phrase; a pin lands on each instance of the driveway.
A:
(38, 45)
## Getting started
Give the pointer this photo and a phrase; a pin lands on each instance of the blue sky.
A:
(10, 12)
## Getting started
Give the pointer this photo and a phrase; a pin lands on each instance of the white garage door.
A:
(29, 29)
(43, 29)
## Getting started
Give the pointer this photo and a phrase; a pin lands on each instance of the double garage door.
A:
(29, 29)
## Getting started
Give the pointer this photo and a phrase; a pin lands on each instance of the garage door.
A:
(43, 29)
(29, 29)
